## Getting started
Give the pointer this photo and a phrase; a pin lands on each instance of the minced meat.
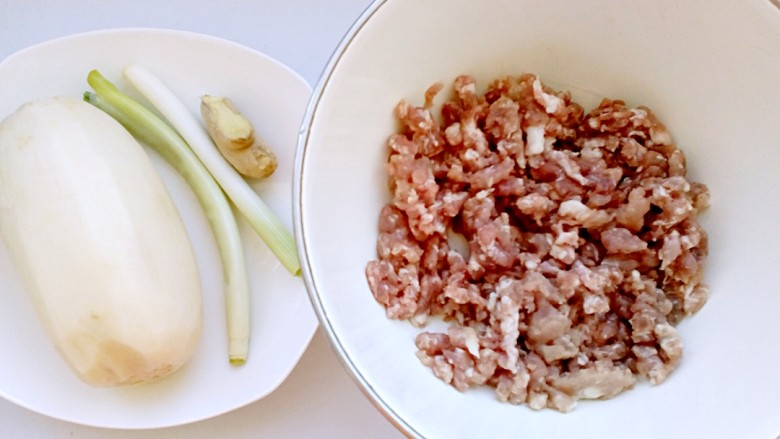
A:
(579, 243)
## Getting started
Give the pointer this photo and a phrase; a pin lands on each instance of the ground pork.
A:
(562, 246)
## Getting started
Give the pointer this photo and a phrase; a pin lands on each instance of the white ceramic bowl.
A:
(709, 69)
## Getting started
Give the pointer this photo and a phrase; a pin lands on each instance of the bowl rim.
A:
(311, 286)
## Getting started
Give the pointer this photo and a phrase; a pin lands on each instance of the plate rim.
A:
(152, 30)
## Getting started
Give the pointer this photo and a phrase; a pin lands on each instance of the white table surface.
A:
(319, 399)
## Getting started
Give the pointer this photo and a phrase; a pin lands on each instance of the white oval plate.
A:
(710, 70)
(274, 98)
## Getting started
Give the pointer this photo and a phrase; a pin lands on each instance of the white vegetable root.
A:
(96, 237)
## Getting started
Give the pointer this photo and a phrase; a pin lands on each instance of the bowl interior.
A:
(709, 73)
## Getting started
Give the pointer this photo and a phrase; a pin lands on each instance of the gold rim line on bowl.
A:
(300, 234)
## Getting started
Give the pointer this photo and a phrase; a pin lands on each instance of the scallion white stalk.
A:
(267, 225)
(158, 135)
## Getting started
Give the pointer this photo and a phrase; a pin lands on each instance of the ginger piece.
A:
(236, 138)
